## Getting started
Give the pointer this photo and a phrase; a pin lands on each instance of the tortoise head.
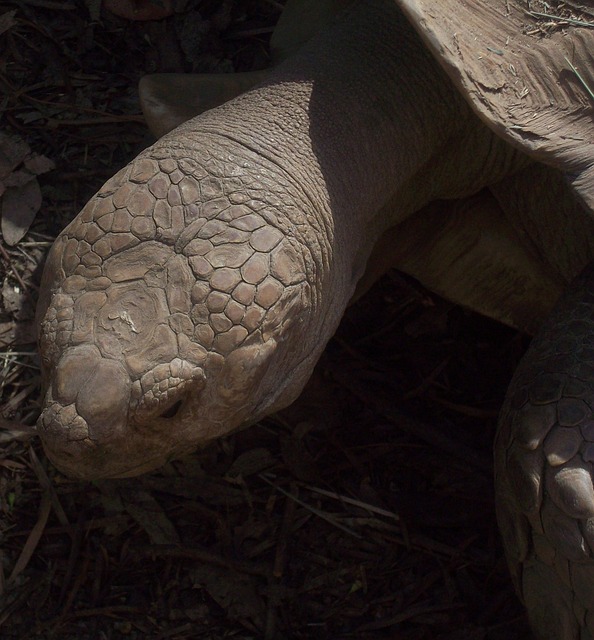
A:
(155, 341)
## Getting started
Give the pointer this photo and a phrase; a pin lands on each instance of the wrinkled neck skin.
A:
(195, 292)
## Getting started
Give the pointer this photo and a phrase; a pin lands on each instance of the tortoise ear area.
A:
(255, 377)
(244, 370)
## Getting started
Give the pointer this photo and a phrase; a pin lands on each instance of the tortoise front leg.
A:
(543, 459)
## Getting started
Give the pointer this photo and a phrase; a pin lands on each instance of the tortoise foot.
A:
(544, 470)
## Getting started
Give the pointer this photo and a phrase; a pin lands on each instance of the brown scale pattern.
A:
(544, 457)
(168, 293)
(168, 219)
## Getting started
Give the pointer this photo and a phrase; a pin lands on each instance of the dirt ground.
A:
(365, 510)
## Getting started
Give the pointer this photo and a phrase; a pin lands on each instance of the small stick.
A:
(577, 73)
(550, 16)
(317, 512)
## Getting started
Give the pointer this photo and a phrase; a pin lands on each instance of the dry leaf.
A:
(253, 461)
(38, 164)
(18, 179)
(140, 9)
(7, 21)
(19, 206)
(20, 193)
(149, 514)
(17, 333)
(13, 151)
(234, 592)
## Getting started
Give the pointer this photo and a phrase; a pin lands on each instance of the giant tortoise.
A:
(195, 291)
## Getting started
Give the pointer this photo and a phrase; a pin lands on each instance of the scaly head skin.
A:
(175, 285)
(197, 289)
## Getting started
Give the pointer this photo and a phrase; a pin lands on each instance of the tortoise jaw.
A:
(86, 461)
(74, 452)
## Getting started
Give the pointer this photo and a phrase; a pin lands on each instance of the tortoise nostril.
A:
(172, 411)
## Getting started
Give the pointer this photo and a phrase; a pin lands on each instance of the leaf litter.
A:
(252, 537)
(20, 195)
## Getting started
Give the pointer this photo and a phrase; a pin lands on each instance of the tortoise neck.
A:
(351, 120)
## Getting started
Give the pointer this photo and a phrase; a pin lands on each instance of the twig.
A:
(198, 554)
(33, 540)
(577, 73)
(356, 503)
(550, 16)
(315, 511)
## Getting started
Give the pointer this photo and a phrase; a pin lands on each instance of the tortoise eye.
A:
(173, 410)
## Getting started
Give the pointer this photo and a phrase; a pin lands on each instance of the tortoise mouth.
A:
(99, 423)
(83, 460)
(68, 443)
(87, 467)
